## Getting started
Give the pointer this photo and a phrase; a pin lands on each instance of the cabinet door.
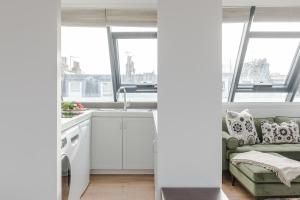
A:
(138, 151)
(107, 143)
(85, 133)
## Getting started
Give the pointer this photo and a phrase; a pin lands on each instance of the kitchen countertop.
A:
(67, 123)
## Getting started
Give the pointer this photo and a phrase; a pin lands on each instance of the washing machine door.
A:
(65, 177)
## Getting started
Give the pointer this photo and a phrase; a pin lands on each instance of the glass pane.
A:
(139, 97)
(268, 60)
(138, 61)
(260, 97)
(231, 37)
(85, 65)
(133, 29)
(276, 26)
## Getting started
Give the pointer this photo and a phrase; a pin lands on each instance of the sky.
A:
(90, 47)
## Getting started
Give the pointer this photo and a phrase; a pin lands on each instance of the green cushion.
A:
(259, 174)
(265, 189)
(257, 122)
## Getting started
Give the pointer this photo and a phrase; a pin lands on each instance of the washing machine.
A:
(70, 173)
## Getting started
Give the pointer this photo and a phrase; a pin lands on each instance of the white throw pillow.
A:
(284, 133)
(241, 126)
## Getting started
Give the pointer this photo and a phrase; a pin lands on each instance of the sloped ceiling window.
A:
(266, 63)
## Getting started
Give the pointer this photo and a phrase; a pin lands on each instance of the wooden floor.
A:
(120, 187)
(141, 187)
(236, 192)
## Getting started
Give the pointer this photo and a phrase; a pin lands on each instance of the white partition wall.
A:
(28, 97)
(189, 96)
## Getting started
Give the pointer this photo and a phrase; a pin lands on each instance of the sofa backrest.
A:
(280, 119)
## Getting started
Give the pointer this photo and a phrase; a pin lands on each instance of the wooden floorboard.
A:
(120, 187)
(141, 187)
(236, 192)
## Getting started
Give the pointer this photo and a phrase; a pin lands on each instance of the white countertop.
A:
(67, 123)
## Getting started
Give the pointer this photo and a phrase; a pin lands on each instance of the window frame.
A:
(113, 38)
(293, 78)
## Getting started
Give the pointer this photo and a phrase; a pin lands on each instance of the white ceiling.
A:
(153, 3)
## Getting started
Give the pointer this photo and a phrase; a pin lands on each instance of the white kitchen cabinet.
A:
(85, 134)
(79, 155)
(107, 143)
(138, 151)
(122, 143)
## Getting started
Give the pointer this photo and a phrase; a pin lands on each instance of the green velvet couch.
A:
(260, 182)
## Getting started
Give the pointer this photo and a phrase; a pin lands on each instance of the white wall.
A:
(189, 108)
(266, 109)
(28, 99)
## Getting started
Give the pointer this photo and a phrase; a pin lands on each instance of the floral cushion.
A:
(286, 132)
(241, 126)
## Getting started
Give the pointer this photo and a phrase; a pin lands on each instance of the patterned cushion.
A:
(241, 126)
(284, 133)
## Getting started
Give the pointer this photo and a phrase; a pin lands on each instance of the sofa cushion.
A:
(285, 132)
(257, 122)
(291, 151)
(241, 126)
(259, 174)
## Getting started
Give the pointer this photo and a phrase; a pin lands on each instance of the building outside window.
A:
(86, 63)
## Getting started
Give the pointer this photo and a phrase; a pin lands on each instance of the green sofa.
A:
(258, 181)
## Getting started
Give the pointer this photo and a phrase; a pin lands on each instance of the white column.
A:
(29, 94)
(189, 96)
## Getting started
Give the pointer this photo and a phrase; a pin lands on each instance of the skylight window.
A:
(267, 65)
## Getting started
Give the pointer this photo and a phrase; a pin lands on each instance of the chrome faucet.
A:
(125, 99)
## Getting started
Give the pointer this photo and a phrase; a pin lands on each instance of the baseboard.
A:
(104, 171)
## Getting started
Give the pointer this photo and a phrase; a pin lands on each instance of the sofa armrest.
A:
(230, 142)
